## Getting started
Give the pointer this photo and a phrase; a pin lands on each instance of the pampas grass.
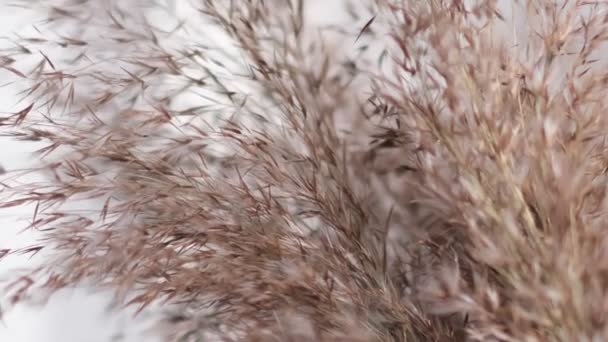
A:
(419, 171)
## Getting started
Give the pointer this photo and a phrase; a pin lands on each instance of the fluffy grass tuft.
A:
(415, 171)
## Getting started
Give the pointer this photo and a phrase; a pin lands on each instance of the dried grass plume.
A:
(412, 171)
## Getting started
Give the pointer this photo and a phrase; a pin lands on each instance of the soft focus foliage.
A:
(419, 171)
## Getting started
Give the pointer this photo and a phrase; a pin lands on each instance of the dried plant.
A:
(416, 171)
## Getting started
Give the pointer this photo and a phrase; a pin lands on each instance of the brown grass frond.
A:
(416, 171)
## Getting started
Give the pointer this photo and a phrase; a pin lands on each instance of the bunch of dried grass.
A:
(424, 171)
